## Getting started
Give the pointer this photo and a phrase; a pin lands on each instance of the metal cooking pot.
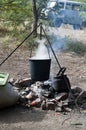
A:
(61, 83)
(39, 69)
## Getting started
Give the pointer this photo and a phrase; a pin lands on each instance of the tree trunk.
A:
(35, 16)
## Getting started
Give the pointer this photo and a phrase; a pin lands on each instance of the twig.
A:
(77, 101)
(66, 120)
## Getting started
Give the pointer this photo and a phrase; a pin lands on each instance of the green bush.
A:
(76, 46)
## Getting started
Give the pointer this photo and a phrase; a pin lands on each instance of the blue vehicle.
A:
(67, 12)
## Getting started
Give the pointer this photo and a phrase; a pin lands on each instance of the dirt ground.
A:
(19, 118)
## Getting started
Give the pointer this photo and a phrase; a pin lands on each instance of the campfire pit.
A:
(37, 94)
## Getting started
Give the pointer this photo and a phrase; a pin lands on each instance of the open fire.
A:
(38, 94)
(49, 94)
(46, 92)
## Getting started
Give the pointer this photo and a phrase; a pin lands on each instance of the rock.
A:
(43, 105)
(46, 85)
(22, 99)
(50, 105)
(61, 96)
(24, 82)
(59, 104)
(66, 109)
(65, 103)
(39, 84)
(27, 89)
(58, 109)
(76, 90)
(83, 106)
(71, 99)
(47, 94)
(31, 96)
(27, 105)
(81, 99)
(22, 92)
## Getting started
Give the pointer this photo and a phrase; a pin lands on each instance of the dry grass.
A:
(63, 31)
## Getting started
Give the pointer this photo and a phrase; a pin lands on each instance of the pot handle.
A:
(61, 71)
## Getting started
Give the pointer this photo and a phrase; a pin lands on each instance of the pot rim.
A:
(34, 59)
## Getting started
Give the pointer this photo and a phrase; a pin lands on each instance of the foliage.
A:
(16, 12)
(17, 16)
(80, 0)
(40, 5)
(84, 5)
(76, 46)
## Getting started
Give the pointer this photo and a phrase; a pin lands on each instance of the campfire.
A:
(49, 93)
(43, 91)
(38, 94)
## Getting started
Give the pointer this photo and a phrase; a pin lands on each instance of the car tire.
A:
(58, 23)
(77, 27)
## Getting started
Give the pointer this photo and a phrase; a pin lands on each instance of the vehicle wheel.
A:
(77, 27)
(84, 24)
(58, 23)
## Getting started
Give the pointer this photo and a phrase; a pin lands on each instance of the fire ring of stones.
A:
(37, 94)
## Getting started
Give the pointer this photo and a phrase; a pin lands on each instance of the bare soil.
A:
(19, 118)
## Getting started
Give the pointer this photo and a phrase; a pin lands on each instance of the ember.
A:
(37, 94)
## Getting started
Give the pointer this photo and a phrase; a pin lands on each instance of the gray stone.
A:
(43, 105)
(81, 99)
(58, 109)
(76, 90)
(84, 106)
(50, 105)
(67, 109)
(27, 89)
(24, 82)
(31, 96)
(61, 96)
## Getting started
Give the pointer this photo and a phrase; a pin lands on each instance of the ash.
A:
(38, 94)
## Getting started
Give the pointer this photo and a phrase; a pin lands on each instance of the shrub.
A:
(76, 46)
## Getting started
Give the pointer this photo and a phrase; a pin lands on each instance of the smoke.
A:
(58, 43)
(42, 50)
